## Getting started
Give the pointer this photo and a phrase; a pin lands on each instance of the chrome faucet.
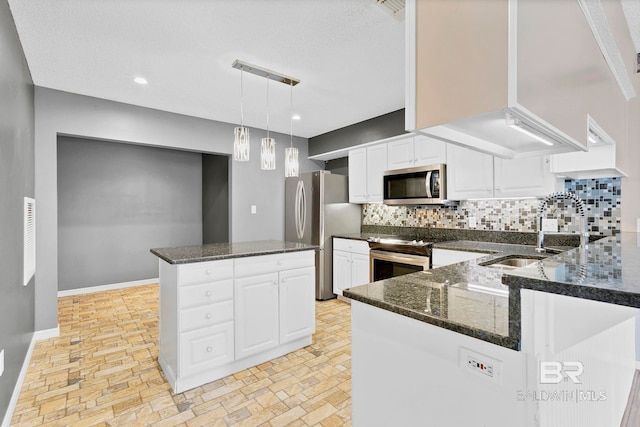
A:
(584, 234)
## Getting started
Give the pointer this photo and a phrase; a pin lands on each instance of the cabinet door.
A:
(400, 154)
(256, 314)
(358, 175)
(469, 174)
(359, 269)
(205, 348)
(429, 151)
(376, 165)
(524, 177)
(297, 304)
(341, 271)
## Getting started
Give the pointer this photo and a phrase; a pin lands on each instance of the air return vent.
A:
(393, 7)
(29, 239)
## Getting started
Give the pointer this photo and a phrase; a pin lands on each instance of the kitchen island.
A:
(230, 306)
(549, 344)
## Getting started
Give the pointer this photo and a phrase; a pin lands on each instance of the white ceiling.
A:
(348, 54)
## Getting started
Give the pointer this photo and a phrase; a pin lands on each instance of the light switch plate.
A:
(254, 209)
(550, 225)
(1, 362)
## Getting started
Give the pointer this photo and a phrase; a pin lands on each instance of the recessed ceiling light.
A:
(296, 117)
(140, 80)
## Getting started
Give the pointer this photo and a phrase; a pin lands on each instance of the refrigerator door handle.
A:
(301, 209)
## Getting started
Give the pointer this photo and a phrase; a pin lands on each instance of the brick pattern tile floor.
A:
(103, 371)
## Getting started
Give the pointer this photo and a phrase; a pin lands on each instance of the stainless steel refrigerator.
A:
(316, 208)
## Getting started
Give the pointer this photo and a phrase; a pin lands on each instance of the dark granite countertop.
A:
(216, 251)
(484, 302)
(363, 236)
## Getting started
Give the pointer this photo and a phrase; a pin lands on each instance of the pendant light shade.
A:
(241, 136)
(291, 165)
(268, 146)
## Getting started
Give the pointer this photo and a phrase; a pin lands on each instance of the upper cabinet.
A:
(415, 151)
(469, 174)
(366, 166)
(505, 77)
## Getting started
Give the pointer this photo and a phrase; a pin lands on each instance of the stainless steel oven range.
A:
(395, 257)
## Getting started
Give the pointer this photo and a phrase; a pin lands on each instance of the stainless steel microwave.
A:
(424, 185)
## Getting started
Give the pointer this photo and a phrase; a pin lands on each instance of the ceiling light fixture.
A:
(268, 146)
(520, 126)
(291, 164)
(140, 80)
(267, 152)
(241, 134)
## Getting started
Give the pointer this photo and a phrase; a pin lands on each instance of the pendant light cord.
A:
(267, 106)
(241, 99)
(291, 112)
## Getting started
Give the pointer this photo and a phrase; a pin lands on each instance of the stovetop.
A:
(401, 245)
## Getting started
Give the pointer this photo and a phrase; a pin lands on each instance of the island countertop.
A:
(217, 251)
(609, 272)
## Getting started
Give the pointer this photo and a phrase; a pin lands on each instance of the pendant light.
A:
(268, 146)
(241, 133)
(291, 165)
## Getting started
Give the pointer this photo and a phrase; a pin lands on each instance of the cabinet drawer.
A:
(252, 266)
(201, 272)
(353, 246)
(205, 293)
(205, 348)
(212, 314)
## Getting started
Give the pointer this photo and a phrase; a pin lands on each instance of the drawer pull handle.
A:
(208, 316)
(207, 272)
(208, 293)
(209, 349)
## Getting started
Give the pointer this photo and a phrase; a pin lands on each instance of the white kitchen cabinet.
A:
(524, 177)
(366, 166)
(441, 257)
(350, 264)
(469, 174)
(256, 305)
(296, 303)
(536, 76)
(414, 151)
(219, 317)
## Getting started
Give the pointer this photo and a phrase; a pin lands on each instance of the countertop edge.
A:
(230, 256)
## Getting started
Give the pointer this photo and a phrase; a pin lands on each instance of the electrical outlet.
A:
(481, 365)
(254, 209)
(472, 222)
(1, 362)
(550, 225)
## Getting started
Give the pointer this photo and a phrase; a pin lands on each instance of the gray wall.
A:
(16, 182)
(374, 129)
(215, 198)
(338, 166)
(76, 115)
(115, 201)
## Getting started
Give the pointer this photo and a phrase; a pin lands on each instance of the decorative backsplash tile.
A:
(601, 197)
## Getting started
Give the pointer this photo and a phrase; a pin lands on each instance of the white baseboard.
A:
(91, 289)
(47, 333)
(16, 390)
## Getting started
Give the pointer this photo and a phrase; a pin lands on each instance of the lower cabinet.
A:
(350, 264)
(219, 317)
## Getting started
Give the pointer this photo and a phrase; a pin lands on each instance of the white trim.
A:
(111, 287)
(638, 364)
(46, 333)
(16, 390)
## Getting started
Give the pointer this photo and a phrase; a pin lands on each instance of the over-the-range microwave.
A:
(424, 185)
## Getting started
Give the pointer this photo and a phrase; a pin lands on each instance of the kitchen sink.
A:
(511, 263)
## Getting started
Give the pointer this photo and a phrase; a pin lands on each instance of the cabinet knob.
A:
(208, 316)
(209, 349)
(207, 272)
(280, 262)
(208, 293)
(284, 280)
(275, 282)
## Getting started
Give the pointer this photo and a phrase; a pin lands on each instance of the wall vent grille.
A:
(29, 239)
(394, 7)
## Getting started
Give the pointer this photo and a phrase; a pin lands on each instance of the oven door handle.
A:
(406, 259)
(428, 185)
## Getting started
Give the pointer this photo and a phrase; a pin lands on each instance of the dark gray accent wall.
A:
(215, 198)
(375, 129)
(16, 182)
(338, 166)
(115, 201)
